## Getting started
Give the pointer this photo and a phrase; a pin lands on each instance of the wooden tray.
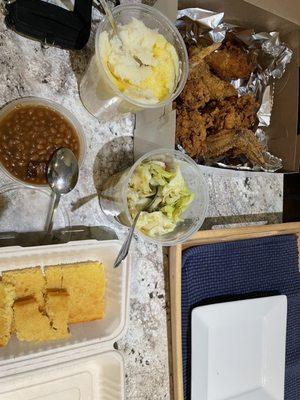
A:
(175, 260)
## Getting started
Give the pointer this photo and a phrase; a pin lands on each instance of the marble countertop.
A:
(29, 69)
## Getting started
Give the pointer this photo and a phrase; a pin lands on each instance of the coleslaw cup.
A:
(113, 198)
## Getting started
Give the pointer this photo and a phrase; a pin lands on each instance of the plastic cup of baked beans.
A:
(29, 138)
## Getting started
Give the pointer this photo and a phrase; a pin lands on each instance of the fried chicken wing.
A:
(190, 132)
(231, 113)
(241, 141)
(232, 62)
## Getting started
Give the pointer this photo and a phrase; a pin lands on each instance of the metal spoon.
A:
(62, 176)
(126, 245)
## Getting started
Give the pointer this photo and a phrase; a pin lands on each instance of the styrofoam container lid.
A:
(90, 378)
(90, 347)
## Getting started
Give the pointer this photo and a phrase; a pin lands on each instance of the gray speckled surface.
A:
(29, 69)
(236, 193)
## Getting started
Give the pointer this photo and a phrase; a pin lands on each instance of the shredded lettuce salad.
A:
(171, 200)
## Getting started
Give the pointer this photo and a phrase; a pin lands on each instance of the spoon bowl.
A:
(62, 172)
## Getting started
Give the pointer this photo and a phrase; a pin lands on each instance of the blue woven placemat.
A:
(238, 270)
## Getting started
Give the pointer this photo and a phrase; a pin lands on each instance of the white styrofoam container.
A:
(61, 362)
(90, 378)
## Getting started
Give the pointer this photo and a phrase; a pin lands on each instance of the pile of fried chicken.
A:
(212, 120)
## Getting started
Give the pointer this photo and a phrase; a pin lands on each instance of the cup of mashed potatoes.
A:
(145, 66)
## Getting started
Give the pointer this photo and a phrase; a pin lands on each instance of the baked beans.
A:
(29, 135)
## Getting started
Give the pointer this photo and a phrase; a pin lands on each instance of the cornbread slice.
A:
(85, 283)
(27, 282)
(53, 275)
(57, 309)
(30, 324)
(7, 297)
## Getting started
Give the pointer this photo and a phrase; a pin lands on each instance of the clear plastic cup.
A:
(23, 215)
(113, 198)
(24, 209)
(56, 107)
(99, 94)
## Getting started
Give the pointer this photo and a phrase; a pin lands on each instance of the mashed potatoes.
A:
(144, 66)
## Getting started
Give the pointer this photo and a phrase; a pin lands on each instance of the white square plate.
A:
(238, 350)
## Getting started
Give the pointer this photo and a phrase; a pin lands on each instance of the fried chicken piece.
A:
(232, 62)
(231, 113)
(218, 89)
(247, 107)
(195, 93)
(190, 132)
(241, 141)
(202, 86)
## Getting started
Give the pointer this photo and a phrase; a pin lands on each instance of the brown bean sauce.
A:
(29, 135)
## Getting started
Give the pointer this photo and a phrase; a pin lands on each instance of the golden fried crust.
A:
(190, 132)
(247, 107)
(211, 120)
(232, 62)
(195, 94)
(199, 70)
(218, 89)
(202, 86)
(232, 113)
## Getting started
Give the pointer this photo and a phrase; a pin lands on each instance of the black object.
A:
(51, 24)
(291, 198)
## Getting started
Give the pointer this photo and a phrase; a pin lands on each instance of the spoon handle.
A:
(52, 211)
(109, 16)
(126, 245)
